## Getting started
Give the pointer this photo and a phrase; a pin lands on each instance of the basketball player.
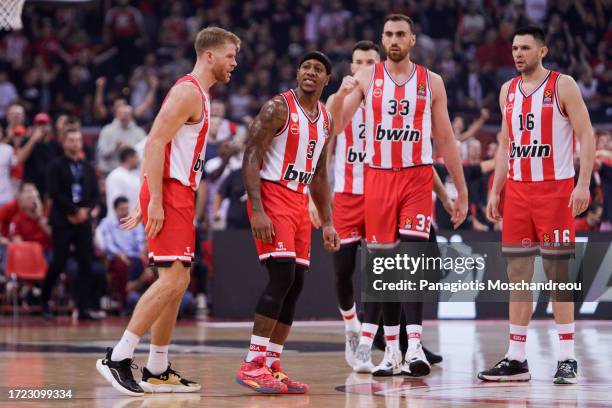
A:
(349, 217)
(172, 169)
(541, 111)
(285, 158)
(405, 104)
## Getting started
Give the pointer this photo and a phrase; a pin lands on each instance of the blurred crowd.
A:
(78, 94)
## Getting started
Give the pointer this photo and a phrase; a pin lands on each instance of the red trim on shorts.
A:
(417, 123)
(566, 336)
(379, 74)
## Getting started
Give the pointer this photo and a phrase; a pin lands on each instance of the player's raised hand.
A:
(262, 227)
(460, 212)
(348, 84)
(493, 214)
(579, 201)
(155, 221)
(331, 239)
(132, 220)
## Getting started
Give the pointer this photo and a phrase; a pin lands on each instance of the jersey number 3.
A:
(310, 149)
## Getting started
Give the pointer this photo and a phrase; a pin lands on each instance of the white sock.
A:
(158, 359)
(126, 346)
(273, 353)
(518, 340)
(368, 331)
(257, 348)
(351, 323)
(392, 336)
(414, 335)
(566, 341)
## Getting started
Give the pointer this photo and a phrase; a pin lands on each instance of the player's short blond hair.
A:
(212, 37)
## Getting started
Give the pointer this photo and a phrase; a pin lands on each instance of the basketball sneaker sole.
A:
(260, 390)
(165, 388)
(105, 372)
(506, 378)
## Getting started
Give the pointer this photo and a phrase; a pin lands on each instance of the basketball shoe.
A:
(567, 372)
(507, 370)
(415, 363)
(352, 341)
(168, 381)
(363, 359)
(293, 386)
(257, 376)
(119, 374)
(390, 365)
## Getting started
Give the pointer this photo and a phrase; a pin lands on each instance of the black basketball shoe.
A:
(507, 370)
(119, 374)
(567, 372)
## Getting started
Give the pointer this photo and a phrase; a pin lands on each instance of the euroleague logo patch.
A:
(408, 223)
(421, 90)
(548, 95)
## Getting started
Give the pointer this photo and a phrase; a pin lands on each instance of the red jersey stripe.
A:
(417, 147)
(526, 138)
(509, 109)
(198, 148)
(546, 130)
(377, 94)
(348, 168)
(293, 143)
(398, 123)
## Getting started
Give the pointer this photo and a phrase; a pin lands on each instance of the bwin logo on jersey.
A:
(353, 156)
(304, 177)
(530, 150)
(398, 135)
(199, 165)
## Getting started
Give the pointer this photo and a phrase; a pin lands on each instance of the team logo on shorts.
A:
(408, 223)
(294, 117)
(378, 82)
(546, 239)
(421, 89)
(526, 242)
(280, 246)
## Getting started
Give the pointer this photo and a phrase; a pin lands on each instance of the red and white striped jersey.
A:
(294, 152)
(184, 160)
(350, 156)
(398, 119)
(541, 136)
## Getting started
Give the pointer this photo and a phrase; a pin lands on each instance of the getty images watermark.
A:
(477, 271)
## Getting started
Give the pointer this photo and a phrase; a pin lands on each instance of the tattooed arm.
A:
(261, 133)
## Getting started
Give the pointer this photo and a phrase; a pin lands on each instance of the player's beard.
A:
(221, 74)
(528, 68)
(397, 56)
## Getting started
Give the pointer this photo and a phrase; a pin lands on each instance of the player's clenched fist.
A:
(348, 84)
(331, 239)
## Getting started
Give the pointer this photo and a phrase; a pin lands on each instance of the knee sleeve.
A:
(288, 311)
(344, 266)
(413, 311)
(280, 280)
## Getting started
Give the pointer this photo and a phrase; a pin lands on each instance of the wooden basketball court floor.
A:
(40, 355)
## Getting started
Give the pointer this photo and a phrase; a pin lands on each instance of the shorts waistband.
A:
(399, 168)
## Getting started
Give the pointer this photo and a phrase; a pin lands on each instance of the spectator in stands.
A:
(124, 249)
(121, 132)
(8, 94)
(30, 223)
(592, 219)
(15, 116)
(8, 161)
(124, 180)
(234, 191)
(124, 29)
(73, 187)
(38, 150)
(10, 209)
(463, 135)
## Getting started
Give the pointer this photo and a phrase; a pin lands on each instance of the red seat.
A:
(26, 260)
